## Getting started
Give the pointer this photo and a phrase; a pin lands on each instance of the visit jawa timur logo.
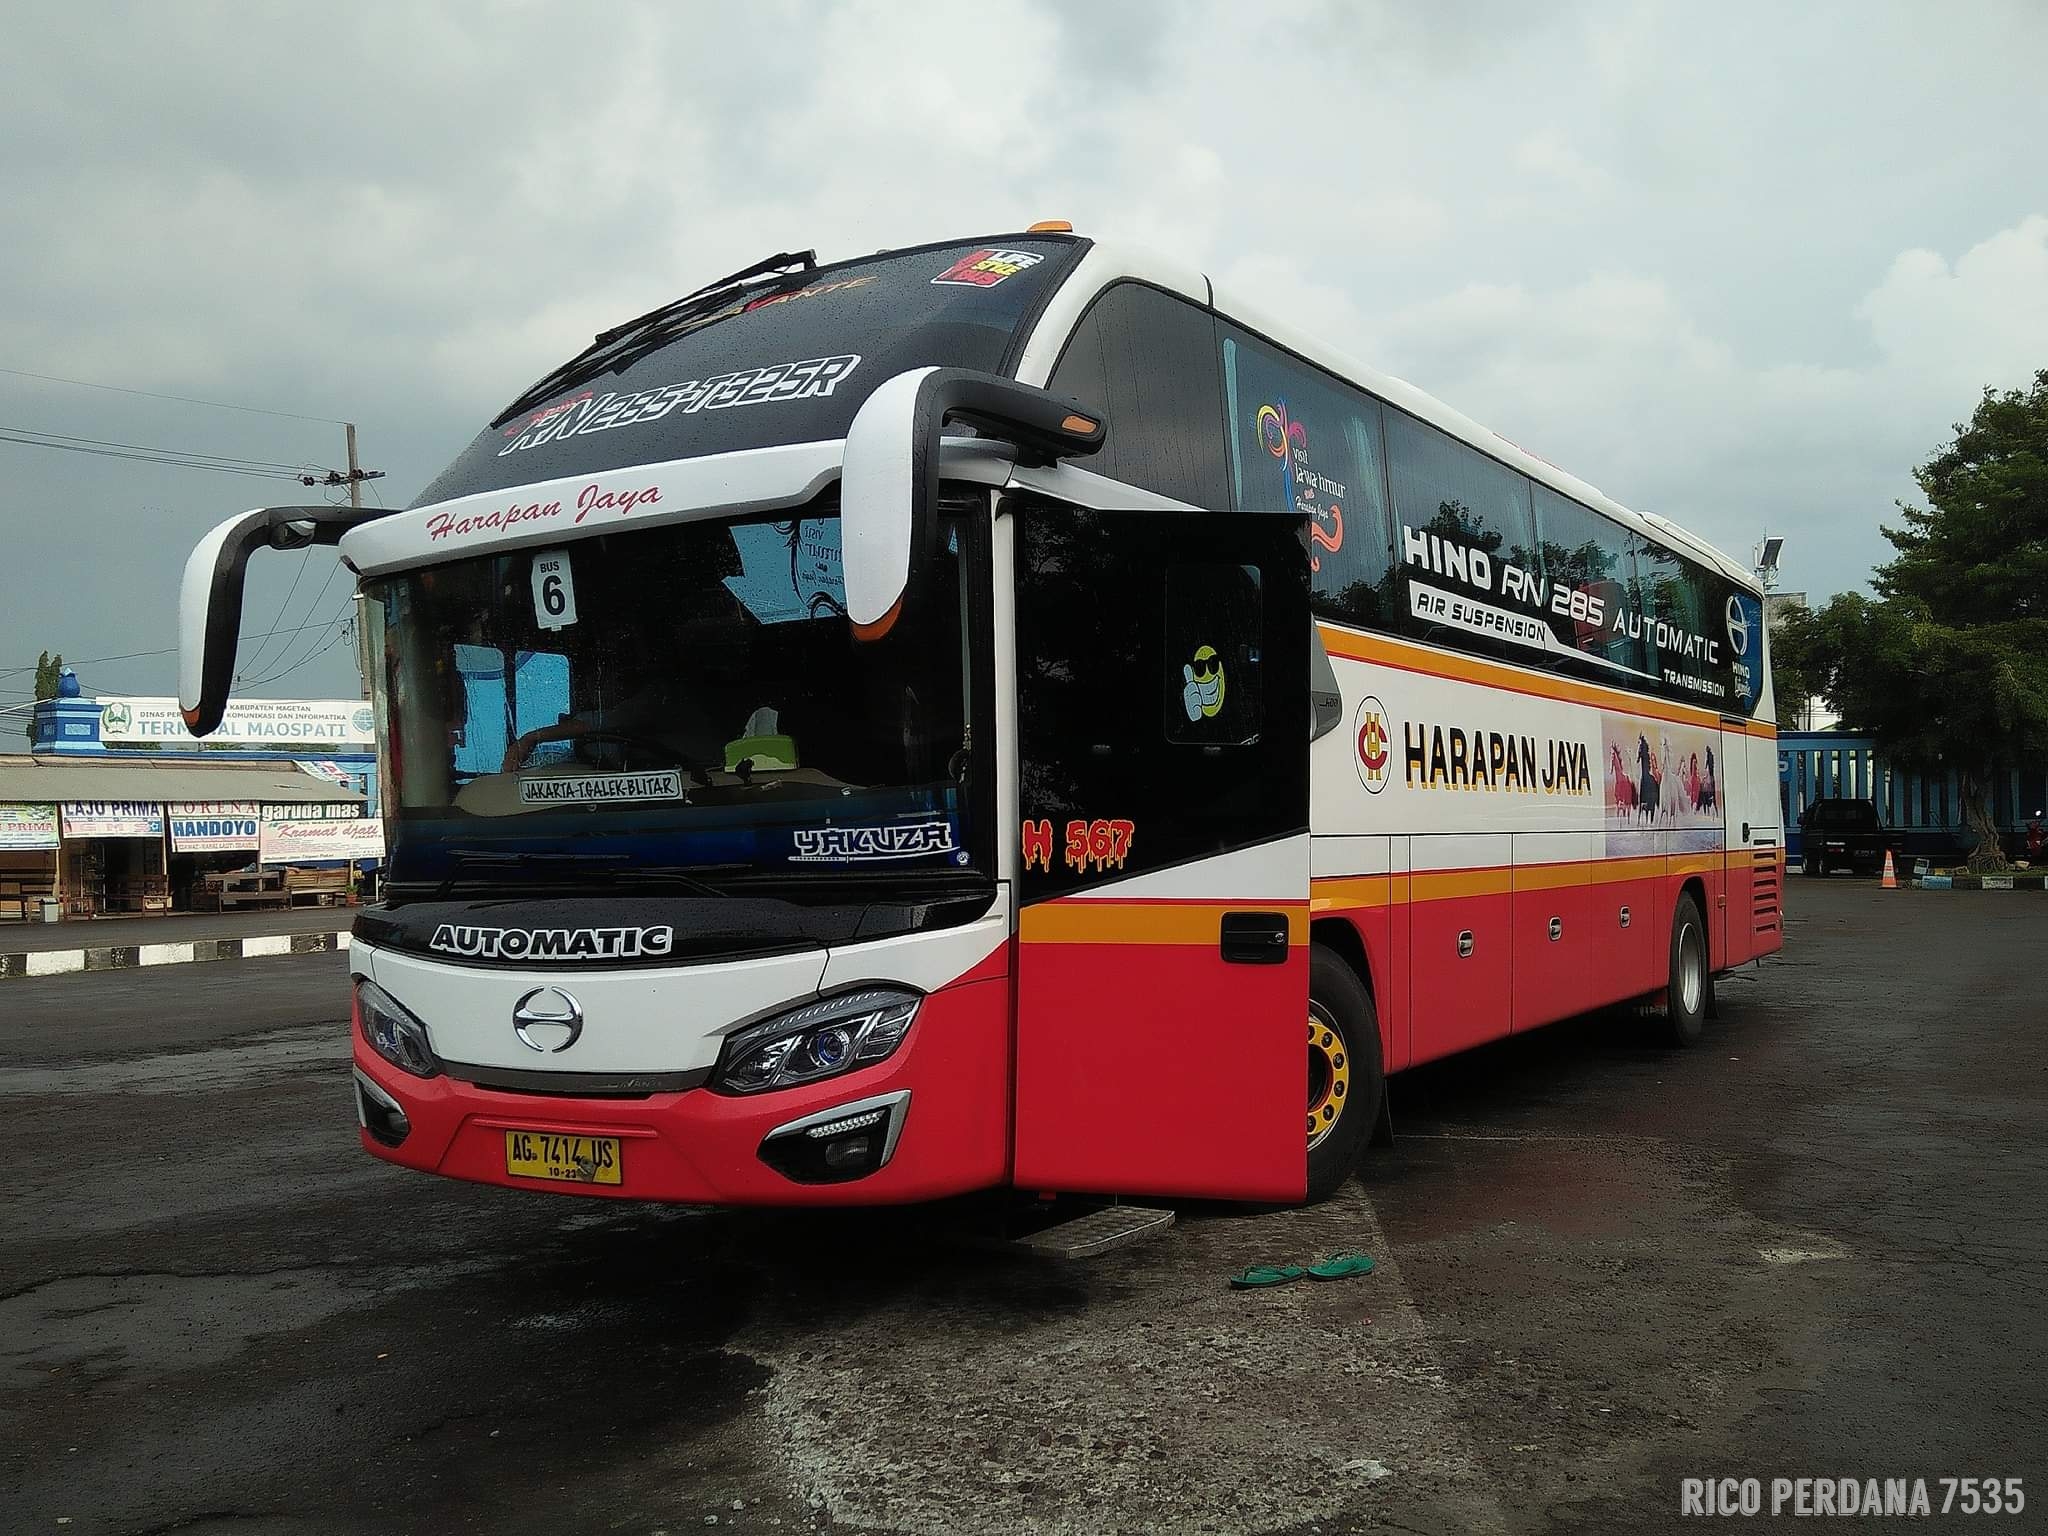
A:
(1375, 744)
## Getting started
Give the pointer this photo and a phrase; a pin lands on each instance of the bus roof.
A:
(1105, 264)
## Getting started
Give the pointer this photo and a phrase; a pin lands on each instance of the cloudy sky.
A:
(1742, 265)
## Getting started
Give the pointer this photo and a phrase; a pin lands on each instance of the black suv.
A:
(1845, 834)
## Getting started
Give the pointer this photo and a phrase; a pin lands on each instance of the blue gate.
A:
(1819, 765)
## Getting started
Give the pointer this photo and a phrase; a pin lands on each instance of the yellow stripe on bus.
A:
(1146, 922)
(1416, 658)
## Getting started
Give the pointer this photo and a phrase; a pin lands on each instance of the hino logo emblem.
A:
(547, 1008)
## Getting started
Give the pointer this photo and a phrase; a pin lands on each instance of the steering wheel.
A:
(667, 756)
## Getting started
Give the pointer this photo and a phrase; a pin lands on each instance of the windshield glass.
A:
(781, 361)
(674, 699)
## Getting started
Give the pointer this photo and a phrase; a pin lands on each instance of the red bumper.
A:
(702, 1148)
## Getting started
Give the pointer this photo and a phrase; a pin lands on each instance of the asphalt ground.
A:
(1811, 1246)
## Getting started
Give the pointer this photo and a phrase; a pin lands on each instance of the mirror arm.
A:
(210, 598)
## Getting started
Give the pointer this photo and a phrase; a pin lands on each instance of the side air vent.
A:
(1765, 882)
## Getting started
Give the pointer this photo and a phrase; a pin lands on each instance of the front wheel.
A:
(1345, 1080)
(1690, 989)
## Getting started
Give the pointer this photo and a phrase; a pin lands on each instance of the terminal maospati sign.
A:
(345, 723)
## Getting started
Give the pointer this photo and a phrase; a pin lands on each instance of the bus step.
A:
(1096, 1231)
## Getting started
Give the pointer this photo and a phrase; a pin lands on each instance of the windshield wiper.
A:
(463, 858)
(612, 350)
(686, 877)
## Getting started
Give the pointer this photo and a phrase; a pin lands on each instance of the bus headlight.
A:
(393, 1033)
(818, 1040)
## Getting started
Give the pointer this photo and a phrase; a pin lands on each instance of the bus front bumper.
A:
(942, 1129)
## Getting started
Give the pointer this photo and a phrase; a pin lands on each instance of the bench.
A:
(20, 893)
(222, 892)
(320, 887)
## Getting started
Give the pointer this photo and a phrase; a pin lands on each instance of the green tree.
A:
(1948, 667)
(47, 669)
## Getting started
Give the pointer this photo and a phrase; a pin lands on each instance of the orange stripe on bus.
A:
(1410, 658)
(1334, 893)
(1145, 922)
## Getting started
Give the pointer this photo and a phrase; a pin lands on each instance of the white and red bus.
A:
(858, 734)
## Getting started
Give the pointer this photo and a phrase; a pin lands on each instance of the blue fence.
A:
(1818, 765)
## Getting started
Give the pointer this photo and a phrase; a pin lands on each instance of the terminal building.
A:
(116, 809)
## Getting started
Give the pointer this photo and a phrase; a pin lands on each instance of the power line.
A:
(153, 456)
(186, 453)
(219, 405)
(169, 650)
(303, 660)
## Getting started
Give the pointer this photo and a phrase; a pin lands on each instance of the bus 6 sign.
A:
(554, 590)
(1091, 845)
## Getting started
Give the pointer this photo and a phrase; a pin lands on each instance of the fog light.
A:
(848, 1141)
(379, 1114)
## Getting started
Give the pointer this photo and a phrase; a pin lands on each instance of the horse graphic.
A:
(1624, 786)
(1649, 782)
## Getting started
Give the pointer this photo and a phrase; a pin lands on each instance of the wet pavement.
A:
(1811, 1246)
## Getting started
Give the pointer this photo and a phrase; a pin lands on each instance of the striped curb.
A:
(121, 957)
(2028, 882)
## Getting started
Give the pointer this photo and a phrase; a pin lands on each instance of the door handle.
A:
(1255, 938)
(1465, 945)
(1624, 917)
(1556, 929)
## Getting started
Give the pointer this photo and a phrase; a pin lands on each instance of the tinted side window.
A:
(1594, 560)
(1301, 442)
(1465, 538)
(1457, 492)
(1149, 360)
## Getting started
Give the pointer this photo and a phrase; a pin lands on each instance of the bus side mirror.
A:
(889, 482)
(210, 597)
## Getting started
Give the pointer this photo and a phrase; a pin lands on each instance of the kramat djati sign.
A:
(288, 722)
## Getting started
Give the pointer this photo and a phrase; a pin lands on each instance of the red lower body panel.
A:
(1164, 1064)
(702, 1147)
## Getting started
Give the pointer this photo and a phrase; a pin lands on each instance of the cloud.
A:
(1714, 262)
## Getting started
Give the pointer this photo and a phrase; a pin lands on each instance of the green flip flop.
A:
(1341, 1266)
(1261, 1276)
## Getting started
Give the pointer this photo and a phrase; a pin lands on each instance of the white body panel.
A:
(1569, 744)
(658, 1019)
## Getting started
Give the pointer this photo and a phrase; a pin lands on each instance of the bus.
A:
(1005, 713)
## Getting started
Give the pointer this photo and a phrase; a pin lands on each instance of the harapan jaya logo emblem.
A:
(1375, 748)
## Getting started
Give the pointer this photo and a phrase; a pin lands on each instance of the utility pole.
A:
(355, 473)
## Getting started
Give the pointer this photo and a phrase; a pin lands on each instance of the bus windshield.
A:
(669, 700)
(781, 360)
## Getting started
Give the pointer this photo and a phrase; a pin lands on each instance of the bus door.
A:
(1162, 957)
(1735, 922)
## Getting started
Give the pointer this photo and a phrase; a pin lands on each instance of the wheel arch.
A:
(1695, 887)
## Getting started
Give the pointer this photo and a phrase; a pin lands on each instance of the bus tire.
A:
(1689, 993)
(1346, 1084)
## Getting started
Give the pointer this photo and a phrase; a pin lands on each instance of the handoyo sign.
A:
(329, 722)
(227, 826)
(311, 842)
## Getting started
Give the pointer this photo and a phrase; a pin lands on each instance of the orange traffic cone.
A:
(1890, 882)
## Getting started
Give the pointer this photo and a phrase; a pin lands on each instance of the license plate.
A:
(565, 1159)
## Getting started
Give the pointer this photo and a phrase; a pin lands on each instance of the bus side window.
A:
(1149, 360)
(1214, 619)
(1303, 443)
